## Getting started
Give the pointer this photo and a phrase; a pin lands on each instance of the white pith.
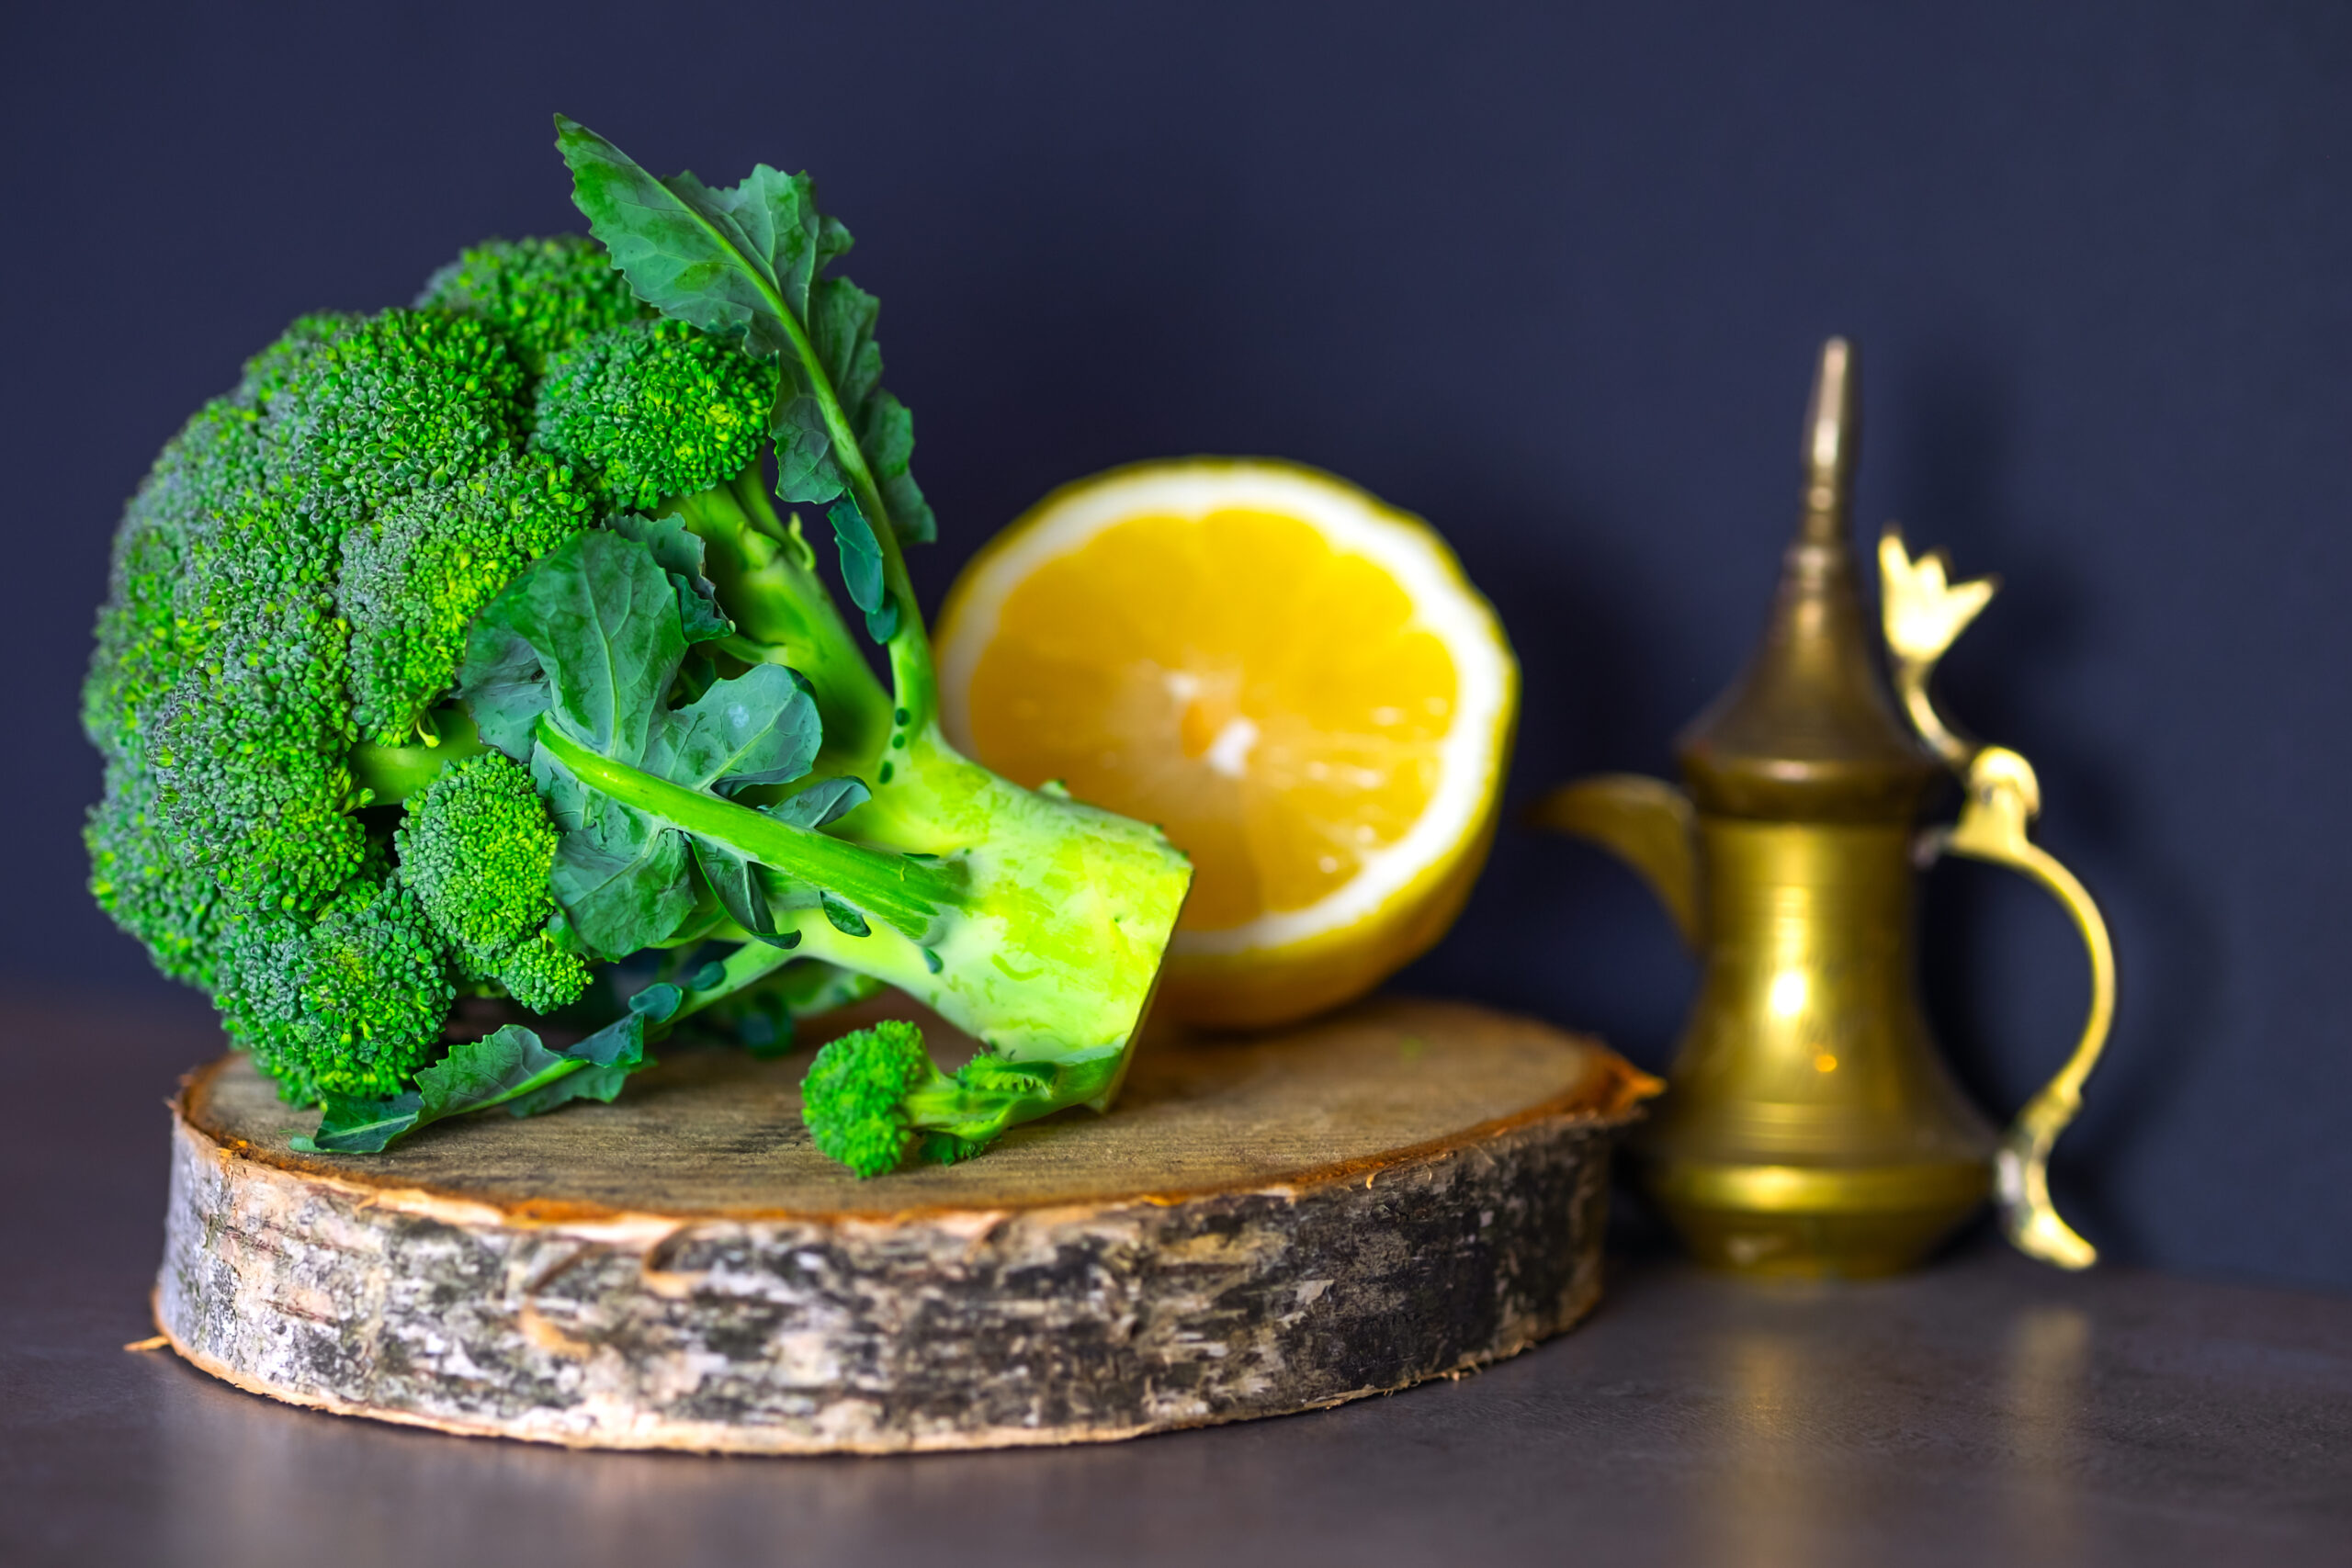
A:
(1354, 523)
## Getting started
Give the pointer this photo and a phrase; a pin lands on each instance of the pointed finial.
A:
(1832, 434)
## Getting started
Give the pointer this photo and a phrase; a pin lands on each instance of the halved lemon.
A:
(1291, 678)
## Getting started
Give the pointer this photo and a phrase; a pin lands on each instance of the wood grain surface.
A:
(1262, 1224)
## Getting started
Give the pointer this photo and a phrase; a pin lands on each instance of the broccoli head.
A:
(303, 557)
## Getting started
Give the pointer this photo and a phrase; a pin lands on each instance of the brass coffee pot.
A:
(1811, 1127)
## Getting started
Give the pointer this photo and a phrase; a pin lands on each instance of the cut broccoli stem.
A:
(906, 895)
(975, 1107)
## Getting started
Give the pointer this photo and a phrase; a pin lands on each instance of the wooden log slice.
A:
(1263, 1225)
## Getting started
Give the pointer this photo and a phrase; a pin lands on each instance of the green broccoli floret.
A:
(541, 296)
(874, 1099)
(477, 847)
(350, 1004)
(654, 410)
(395, 403)
(416, 574)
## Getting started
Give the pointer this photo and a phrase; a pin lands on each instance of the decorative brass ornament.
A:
(1811, 1127)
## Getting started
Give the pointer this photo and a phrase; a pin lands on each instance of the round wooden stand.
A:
(1263, 1225)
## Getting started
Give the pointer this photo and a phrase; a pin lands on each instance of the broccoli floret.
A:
(477, 847)
(350, 1004)
(395, 403)
(416, 574)
(654, 410)
(874, 1099)
(541, 296)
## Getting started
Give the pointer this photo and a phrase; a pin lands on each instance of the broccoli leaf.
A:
(619, 875)
(590, 630)
(759, 728)
(680, 553)
(824, 801)
(745, 264)
(510, 1066)
(861, 556)
(749, 893)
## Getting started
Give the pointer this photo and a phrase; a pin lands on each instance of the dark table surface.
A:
(1983, 1410)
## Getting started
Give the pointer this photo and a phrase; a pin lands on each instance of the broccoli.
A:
(873, 1098)
(458, 651)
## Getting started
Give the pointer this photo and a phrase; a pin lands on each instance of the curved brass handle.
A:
(1923, 615)
(2002, 796)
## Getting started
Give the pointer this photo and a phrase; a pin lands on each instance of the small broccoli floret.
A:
(415, 575)
(395, 403)
(541, 296)
(350, 1004)
(477, 847)
(855, 1097)
(874, 1099)
(653, 411)
(377, 989)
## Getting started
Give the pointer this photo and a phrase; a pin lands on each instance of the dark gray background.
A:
(1552, 276)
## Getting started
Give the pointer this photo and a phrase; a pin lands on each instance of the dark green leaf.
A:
(504, 686)
(599, 616)
(728, 260)
(845, 920)
(822, 802)
(741, 891)
(861, 553)
(886, 433)
(805, 470)
(679, 551)
(760, 727)
(480, 1073)
(619, 875)
(359, 1126)
(675, 547)
(509, 1068)
(746, 264)
(656, 1002)
(699, 615)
